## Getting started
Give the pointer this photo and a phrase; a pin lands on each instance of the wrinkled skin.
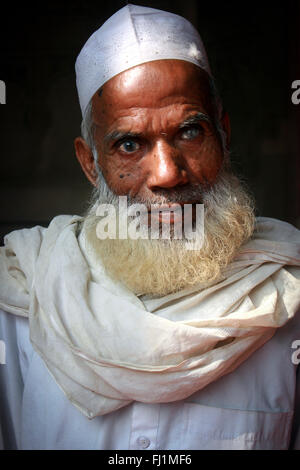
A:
(144, 135)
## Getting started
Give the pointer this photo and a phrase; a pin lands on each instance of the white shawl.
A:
(105, 347)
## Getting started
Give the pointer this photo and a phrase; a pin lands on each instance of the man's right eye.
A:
(129, 146)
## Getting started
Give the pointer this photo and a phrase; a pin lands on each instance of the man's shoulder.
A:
(33, 234)
(24, 244)
(18, 260)
(276, 229)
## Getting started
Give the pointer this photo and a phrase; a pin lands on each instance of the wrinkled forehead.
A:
(153, 85)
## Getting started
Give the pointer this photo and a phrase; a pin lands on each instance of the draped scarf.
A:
(106, 347)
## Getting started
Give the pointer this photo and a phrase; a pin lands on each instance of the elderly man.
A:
(138, 342)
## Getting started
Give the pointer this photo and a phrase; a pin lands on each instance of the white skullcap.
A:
(132, 36)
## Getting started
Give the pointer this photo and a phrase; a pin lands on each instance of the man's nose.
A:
(165, 165)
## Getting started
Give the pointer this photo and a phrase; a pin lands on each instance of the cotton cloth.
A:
(105, 347)
(254, 407)
(132, 36)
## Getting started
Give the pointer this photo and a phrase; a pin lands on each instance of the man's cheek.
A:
(123, 179)
(207, 168)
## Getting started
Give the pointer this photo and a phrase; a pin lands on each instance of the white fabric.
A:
(250, 408)
(132, 36)
(106, 348)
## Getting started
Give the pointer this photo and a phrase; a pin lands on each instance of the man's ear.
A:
(86, 159)
(225, 122)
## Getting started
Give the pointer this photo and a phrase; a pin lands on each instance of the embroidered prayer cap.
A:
(132, 36)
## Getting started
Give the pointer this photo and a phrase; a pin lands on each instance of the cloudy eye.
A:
(129, 146)
(190, 133)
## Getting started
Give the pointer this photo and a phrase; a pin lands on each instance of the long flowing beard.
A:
(160, 267)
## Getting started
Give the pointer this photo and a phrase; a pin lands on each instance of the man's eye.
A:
(190, 133)
(129, 146)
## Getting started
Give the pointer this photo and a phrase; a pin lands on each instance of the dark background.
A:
(253, 49)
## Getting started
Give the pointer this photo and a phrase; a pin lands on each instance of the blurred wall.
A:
(254, 54)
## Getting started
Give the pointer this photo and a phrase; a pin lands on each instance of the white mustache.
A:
(186, 196)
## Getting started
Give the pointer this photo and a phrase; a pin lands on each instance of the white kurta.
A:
(200, 369)
(252, 407)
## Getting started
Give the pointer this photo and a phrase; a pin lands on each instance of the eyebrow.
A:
(195, 119)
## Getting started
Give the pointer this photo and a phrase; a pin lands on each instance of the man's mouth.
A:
(172, 213)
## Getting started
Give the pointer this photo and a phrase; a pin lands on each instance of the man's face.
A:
(157, 142)
(155, 131)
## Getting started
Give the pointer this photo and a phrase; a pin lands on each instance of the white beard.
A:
(160, 267)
